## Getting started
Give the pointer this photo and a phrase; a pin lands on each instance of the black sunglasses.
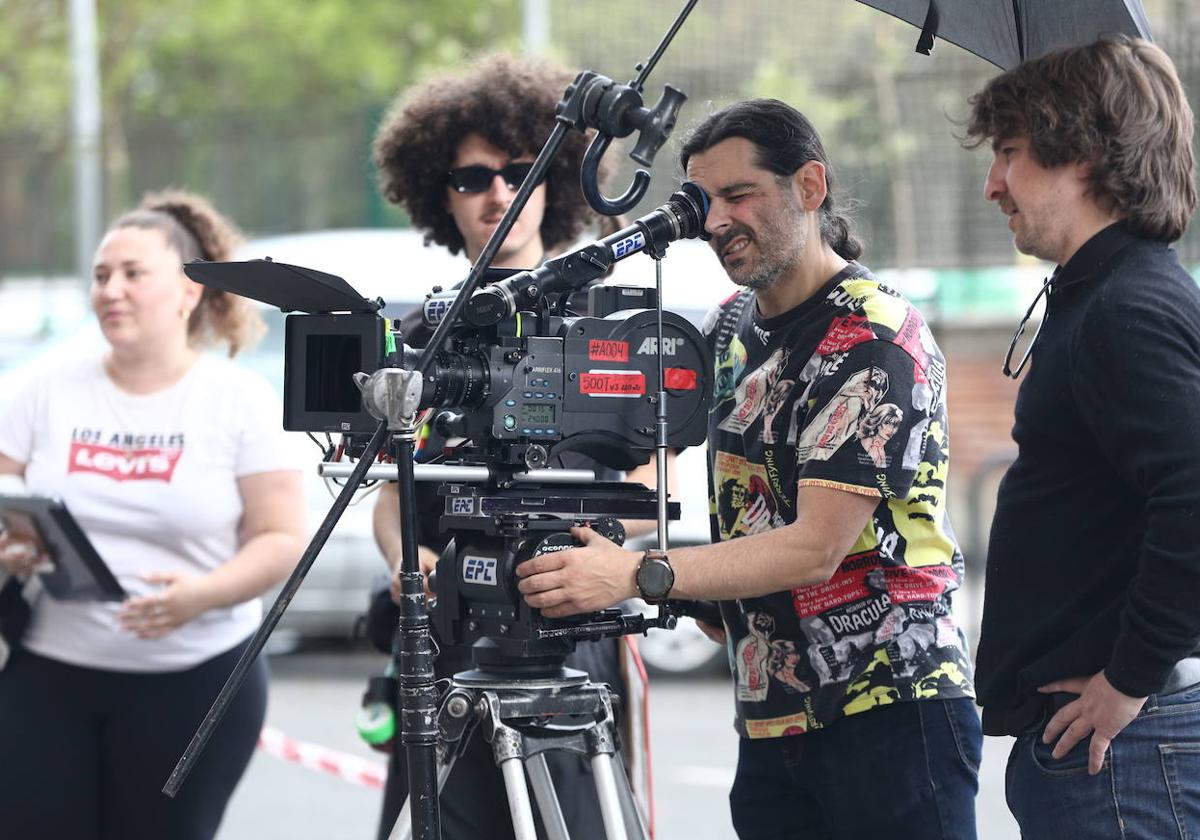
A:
(1028, 350)
(477, 179)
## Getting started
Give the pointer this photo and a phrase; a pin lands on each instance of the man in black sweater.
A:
(1091, 618)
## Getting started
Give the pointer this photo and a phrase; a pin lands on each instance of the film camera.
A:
(524, 380)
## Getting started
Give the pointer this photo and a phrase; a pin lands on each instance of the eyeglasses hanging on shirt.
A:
(1039, 311)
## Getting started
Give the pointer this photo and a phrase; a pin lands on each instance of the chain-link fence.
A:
(888, 117)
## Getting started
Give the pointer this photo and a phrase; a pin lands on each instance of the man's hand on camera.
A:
(1101, 711)
(579, 580)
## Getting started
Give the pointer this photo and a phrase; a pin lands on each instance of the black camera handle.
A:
(617, 111)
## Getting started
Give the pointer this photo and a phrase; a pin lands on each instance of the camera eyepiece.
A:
(689, 206)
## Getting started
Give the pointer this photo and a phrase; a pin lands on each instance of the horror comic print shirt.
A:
(847, 391)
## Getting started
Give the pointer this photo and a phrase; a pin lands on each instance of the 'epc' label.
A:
(479, 570)
(629, 245)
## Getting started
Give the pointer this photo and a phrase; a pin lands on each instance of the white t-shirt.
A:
(152, 480)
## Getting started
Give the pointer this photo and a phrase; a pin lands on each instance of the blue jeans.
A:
(908, 771)
(1148, 789)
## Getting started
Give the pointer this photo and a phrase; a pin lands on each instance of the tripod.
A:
(523, 715)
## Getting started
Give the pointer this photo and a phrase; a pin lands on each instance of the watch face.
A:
(654, 578)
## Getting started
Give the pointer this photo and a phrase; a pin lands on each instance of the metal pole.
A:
(660, 416)
(85, 113)
(418, 691)
(535, 26)
(610, 800)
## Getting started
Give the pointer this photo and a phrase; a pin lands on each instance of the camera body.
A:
(523, 390)
(518, 394)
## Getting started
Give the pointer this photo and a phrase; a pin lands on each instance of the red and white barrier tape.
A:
(350, 768)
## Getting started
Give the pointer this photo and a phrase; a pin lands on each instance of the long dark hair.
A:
(785, 140)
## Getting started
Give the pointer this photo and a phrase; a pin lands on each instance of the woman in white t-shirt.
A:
(175, 465)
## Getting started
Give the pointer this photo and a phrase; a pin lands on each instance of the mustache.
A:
(721, 242)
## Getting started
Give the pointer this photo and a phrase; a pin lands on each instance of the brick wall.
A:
(980, 408)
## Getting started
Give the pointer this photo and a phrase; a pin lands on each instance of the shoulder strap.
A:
(727, 321)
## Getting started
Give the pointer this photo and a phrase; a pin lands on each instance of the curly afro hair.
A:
(509, 102)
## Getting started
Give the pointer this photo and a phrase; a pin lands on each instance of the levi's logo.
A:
(123, 464)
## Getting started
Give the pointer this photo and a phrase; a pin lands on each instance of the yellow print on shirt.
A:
(920, 518)
(777, 727)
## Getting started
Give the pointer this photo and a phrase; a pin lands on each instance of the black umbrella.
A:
(1006, 32)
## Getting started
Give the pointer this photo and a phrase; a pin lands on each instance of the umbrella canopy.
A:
(1006, 32)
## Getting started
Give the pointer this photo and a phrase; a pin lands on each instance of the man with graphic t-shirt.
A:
(833, 558)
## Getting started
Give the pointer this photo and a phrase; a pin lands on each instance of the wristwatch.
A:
(654, 577)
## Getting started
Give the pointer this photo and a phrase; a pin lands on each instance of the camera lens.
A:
(455, 379)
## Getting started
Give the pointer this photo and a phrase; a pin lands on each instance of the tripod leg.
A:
(509, 752)
(402, 830)
(518, 799)
(610, 802)
(547, 798)
(634, 825)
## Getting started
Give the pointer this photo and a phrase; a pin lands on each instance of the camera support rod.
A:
(464, 474)
(393, 396)
(660, 415)
(418, 692)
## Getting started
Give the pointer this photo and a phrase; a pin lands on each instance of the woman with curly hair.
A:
(174, 463)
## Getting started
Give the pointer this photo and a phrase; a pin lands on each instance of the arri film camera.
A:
(525, 378)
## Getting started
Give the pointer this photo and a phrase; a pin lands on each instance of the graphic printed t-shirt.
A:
(152, 480)
(845, 391)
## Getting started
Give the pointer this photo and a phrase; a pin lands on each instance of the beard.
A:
(780, 244)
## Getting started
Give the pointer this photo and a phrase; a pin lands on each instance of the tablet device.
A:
(78, 574)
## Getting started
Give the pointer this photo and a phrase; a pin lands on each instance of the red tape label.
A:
(679, 379)
(612, 383)
(603, 350)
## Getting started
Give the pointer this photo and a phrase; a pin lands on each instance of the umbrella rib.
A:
(1019, 27)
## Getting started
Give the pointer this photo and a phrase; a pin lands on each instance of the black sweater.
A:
(1094, 558)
